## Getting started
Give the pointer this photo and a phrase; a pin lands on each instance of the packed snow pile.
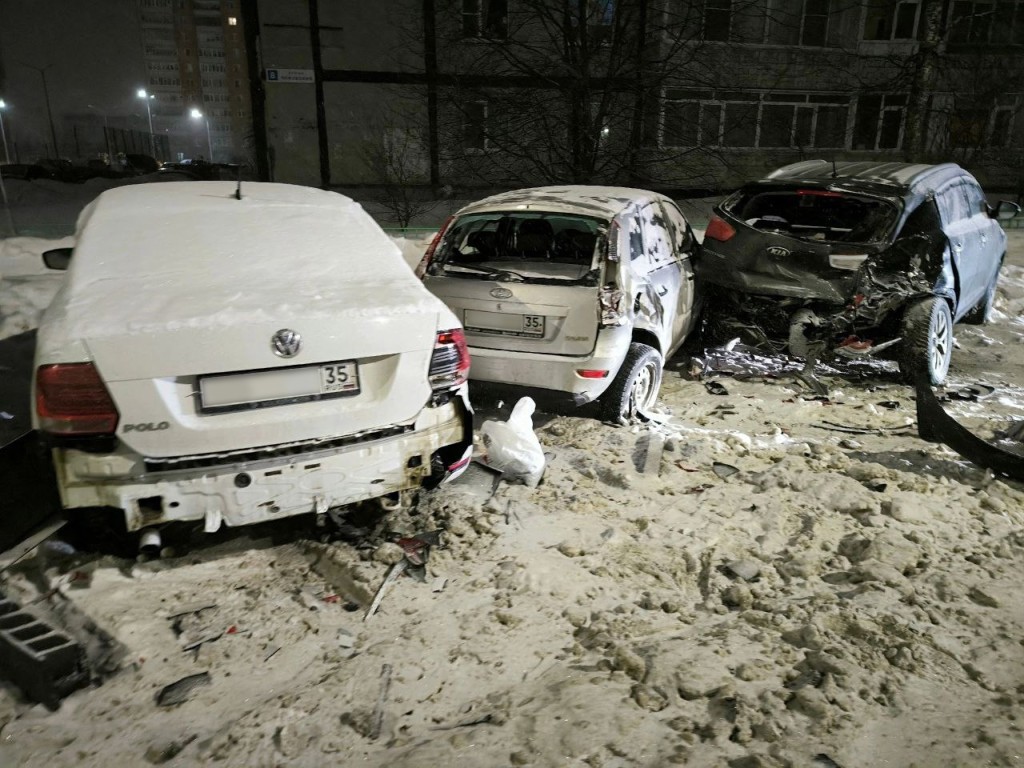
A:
(762, 576)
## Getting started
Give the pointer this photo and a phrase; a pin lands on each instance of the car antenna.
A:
(238, 187)
(835, 170)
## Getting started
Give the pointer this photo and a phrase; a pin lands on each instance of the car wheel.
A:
(927, 341)
(635, 387)
(981, 312)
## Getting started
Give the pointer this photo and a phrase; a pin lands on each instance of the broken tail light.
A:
(613, 307)
(72, 400)
(449, 365)
(428, 255)
(719, 229)
(851, 261)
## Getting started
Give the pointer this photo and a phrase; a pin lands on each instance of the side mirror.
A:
(1006, 210)
(58, 258)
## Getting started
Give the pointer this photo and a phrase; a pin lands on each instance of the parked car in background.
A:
(236, 359)
(858, 258)
(26, 171)
(579, 292)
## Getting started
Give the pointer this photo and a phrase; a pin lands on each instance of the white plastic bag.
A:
(512, 445)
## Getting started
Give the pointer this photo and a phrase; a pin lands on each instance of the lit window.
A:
(232, 21)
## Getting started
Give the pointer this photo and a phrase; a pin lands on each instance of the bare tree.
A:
(395, 155)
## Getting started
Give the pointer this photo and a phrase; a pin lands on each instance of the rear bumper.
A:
(244, 493)
(555, 373)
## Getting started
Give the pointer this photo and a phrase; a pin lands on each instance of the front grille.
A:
(270, 452)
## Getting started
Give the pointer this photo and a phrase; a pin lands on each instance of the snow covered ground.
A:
(796, 582)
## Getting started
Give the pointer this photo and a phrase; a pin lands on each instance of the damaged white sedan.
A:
(233, 355)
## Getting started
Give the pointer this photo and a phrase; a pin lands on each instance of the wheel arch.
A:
(648, 337)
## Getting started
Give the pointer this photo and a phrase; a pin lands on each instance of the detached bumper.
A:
(242, 493)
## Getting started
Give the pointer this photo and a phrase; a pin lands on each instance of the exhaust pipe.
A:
(150, 543)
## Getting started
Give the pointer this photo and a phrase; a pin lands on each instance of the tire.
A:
(635, 387)
(927, 341)
(981, 312)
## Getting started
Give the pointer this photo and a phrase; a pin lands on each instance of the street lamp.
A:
(141, 93)
(197, 115)
(46, 96)
(7, 155)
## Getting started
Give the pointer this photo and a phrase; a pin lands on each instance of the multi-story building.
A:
(667, 93)
(195, 59)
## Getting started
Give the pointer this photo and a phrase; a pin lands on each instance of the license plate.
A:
(339, 377)
(277, 385)
(505, 324)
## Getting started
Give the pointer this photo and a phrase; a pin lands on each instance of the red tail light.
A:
(71, 399)
(719, 229)
(428, 255)
(449, 365)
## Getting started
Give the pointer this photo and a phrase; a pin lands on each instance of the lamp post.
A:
(197, 115)
(106, 136)
(7, 155)
(149, 113)
(46, 95)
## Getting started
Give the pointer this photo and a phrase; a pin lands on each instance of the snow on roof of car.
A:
(899, 175)
(605, 202)
(189, 253)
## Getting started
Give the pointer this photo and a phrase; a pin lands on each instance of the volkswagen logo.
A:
(501, 293)
(778, 252)
(286, 343)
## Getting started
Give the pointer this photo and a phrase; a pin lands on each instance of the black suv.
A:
(857, 259)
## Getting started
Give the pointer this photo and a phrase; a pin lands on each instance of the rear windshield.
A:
(529, 246)
(815, 214)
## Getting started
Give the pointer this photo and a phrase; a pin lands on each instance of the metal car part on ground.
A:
(233, 359)
(574, 293)
(937, 426)
(856, 259)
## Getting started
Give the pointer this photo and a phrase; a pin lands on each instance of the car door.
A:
(664, 280)
(964, 240)
(985, 258)
(684, 246)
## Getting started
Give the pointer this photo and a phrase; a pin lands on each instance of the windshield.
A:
(815, 214)
(521, 246)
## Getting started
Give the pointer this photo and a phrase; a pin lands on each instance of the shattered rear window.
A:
(527, 246)
(815, 214)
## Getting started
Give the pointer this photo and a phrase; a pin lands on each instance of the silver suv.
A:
(580, 292)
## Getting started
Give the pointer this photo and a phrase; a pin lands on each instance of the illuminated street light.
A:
(197, 115)
(149, 113)
(7, 155)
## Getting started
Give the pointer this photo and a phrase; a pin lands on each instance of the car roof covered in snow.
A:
(587, 200)
(185, 226)
(185, 254)
(900, 179)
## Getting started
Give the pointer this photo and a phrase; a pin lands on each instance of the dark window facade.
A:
(485, 19)
(766, 120)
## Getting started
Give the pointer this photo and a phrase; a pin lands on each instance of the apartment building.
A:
(194, 53)
(663, 93)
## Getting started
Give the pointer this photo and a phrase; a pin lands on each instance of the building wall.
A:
(766, 84)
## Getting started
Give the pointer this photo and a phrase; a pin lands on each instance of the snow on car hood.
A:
(186, 255)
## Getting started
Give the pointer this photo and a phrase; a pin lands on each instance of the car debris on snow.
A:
(937, 426)
(180, 690)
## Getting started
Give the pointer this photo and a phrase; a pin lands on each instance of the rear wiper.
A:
(497, 274)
